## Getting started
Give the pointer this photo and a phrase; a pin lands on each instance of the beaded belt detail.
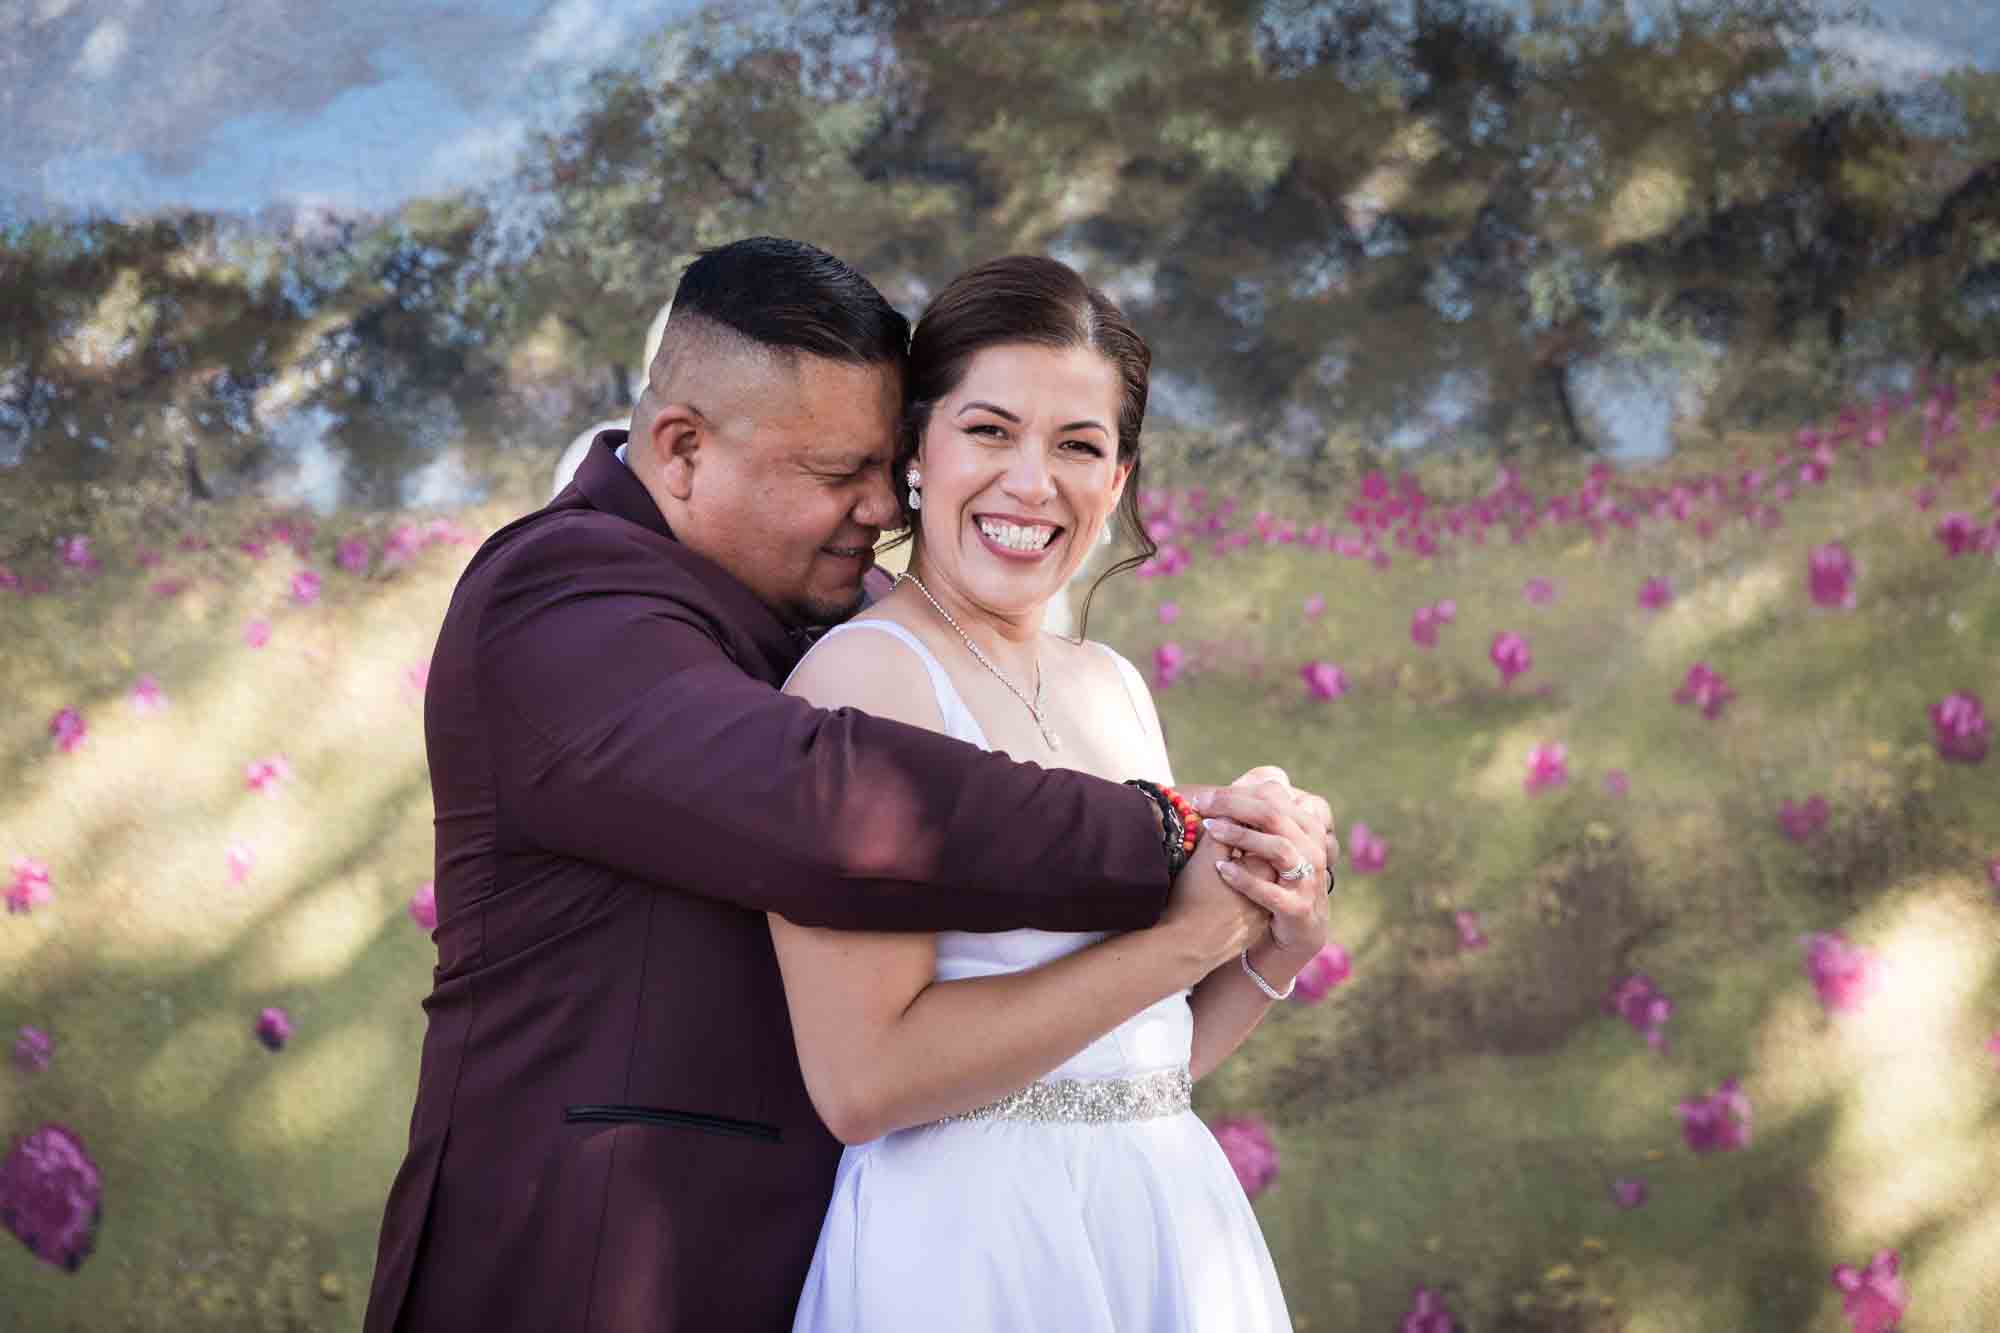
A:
(1091, 1101)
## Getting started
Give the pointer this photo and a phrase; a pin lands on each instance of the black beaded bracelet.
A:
(1173, 833)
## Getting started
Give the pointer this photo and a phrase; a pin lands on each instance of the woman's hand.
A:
(1262, 816)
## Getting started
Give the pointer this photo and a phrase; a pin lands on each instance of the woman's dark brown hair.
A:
(1044, 303)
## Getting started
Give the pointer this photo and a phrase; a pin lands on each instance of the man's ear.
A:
(675, 440)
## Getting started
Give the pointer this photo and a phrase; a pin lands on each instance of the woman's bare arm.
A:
(1227, 1004)
(884, 1045)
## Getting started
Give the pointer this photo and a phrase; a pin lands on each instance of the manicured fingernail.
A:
(1221, 828)
(1227, 869)
(1204, 800)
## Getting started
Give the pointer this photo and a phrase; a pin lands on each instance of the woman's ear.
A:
(1123, 475)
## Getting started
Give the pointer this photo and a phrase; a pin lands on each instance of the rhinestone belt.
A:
(1091, 1101)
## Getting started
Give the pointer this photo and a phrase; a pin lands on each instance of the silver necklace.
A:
(1034, 708)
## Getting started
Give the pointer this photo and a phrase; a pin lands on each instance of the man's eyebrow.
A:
(1003, 412)
(853, 461)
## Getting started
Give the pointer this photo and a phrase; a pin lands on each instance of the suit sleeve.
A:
(627, 736)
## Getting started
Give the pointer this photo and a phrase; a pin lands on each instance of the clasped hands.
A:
(1252, 832)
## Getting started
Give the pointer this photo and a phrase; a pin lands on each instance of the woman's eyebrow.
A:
(976, 406)
(1003, 412)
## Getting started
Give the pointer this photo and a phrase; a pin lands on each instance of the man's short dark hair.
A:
(787, 294)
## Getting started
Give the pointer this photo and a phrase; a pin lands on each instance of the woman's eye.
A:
(988, 429)
(1084, 446)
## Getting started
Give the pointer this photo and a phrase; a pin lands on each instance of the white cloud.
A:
(102, 50)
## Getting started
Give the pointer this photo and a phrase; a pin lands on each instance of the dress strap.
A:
(959, 723)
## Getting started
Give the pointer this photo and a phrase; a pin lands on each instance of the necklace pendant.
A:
(1050, 737)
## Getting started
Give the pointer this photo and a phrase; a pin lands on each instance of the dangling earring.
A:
(916, 479)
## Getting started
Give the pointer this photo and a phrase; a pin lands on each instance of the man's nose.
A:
(877, 507)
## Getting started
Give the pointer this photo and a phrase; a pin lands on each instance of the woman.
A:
(1004, 1169)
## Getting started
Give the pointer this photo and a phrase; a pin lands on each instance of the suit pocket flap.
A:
(664, 1118)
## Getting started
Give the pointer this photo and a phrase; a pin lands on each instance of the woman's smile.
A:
(1014, 538)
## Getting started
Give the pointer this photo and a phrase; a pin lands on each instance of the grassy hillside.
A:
(1450, 1117)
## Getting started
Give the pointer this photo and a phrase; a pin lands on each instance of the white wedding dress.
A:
(1055, 1223)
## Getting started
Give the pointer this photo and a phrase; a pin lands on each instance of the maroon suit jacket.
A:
(611, 1130)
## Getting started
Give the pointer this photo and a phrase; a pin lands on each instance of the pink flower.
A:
(240, 859)
(146, 696)
(75, 552)
(1510, 654)
(1469, 934)
(1327, 969)
(352, 555)
(424, 907)
(1719, 1122)
(1993, 1048)
(1655, 593)
(1247, 1144)
(1873, 1299)
(32, 1049)
(30, 888)
(1830, 574)
(1628, 1192)
(443, 530)
(264, 775)
(1843, 975)
(1539, 591)
(51, 1196)
(1959, 721)
(166, 588)
(1366, 853)
(1428, 1314)
(1639, 1003)
(1423, 625)
(1616, 783)
(305, 587)
(1548, 766)
(1324, 680)
(1924, 496)
(1706, 689)
(1315, 606)
(1168, 662)
(418, 677)
(67, 729)
(257, 633)
(1958, 533)
(1801, 822)
(1169, 612)
(274, 1028)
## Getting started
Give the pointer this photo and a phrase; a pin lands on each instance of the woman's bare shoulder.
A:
(871, 668)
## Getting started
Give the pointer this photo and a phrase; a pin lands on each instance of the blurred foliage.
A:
(1338, 223)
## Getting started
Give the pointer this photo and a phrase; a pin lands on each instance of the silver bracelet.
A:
(1263, 985)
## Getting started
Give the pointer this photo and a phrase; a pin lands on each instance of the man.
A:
(611, 1131)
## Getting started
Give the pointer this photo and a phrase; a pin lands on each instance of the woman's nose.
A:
(1028, 478)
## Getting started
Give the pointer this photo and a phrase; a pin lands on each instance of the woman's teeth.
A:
(1016, 537)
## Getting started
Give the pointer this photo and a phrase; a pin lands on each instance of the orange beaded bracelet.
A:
(1190, 819)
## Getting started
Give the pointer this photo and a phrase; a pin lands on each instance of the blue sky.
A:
(126, 106)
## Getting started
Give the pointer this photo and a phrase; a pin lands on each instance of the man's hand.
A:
(1311, 808)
